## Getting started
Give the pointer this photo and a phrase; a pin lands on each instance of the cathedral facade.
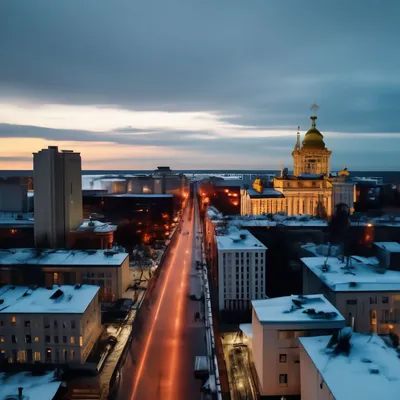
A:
(312, 189)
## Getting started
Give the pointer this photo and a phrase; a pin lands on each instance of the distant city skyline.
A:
(199, 85)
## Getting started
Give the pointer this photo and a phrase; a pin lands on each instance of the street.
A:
(161, 359)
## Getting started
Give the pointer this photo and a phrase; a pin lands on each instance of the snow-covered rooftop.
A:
(364, 275)
(240, 240)
(43, 387)
(135, 195)
(392, 247)
(65, 299)
(247, 329)
(266, 193)
(16, 219)
(371, 370)
(290, 309)
(96, 226)
(61, 257)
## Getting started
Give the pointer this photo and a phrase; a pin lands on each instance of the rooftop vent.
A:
(57, 294)
(91, 252)
(110, 253)
(77, 286)
(1, 301)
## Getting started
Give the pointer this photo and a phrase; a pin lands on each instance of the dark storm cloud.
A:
(266, 61)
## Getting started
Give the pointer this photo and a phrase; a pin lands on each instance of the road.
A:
(160, 364)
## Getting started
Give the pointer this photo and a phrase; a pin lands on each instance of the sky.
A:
(199, 84)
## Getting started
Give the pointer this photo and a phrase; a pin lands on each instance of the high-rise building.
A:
(58, 196)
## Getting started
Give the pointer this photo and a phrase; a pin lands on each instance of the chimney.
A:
(20, 389)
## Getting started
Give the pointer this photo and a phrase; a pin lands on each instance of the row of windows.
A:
(241, 255)
(23, 356)
(372, 300)
(36, 339)
(28, 324)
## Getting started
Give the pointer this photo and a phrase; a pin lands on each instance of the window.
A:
(385, 300)
(351, 302)
(27, 324)
(65, 339)
(55, 324)
(55, 339)
(282, 358)
(46, 323)
(385, 316)
(65, 325)
(2, 339)
(47, 338)
(73, 326)
(13, 339)
(36, 356)
(36, 339)
(48, 355)
(1, 322)
(72, 339)
(283, 379)
(72, 355)
(373, 300)
(284, 335)
(22, 356)
(13, 320)
(28, 339)
(80, 341)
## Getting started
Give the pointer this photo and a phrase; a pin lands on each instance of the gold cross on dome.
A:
(315, 107)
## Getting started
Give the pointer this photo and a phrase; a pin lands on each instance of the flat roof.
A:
(364, 275)
(43, 387)
(371, 370)
(65, 299)
(233, 241)
(392, 247)
(17, 220)
(291, 309)
(265, 194)
(96, 226)
(61, 257)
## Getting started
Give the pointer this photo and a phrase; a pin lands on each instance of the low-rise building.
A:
(362, 367)
(277, 323)
(363, 290)
(55, 326)
(105, 268)
(92, 234)
(241, 270)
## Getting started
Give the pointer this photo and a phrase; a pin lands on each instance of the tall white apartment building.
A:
(241, 270)
(58, 196)
(52, 326)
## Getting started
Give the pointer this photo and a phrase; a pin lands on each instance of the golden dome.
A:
(313, 139)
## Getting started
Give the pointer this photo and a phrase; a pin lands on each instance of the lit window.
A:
(13, 320)
(22, 356)
(36, 356)
(282, 358)
(36, 339)
(55, 278)
(80, 341)
(72, 340)
(2, 339)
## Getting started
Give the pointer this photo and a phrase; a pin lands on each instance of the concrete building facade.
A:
(52, 326)
(367, 294)
(277, 323)
(58, 196)
(13, 197)
(104, 268)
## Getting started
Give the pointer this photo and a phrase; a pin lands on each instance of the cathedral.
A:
(312, 189)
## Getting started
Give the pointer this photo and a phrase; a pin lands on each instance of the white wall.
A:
(313, 386)
(230, 282)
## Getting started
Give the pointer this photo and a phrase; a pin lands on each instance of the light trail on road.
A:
(149, 338)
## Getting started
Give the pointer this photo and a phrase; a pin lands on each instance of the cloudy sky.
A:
(199, 83)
